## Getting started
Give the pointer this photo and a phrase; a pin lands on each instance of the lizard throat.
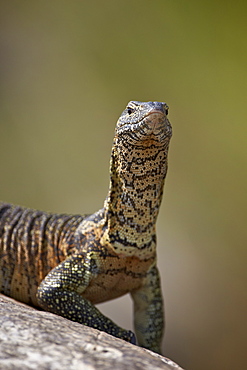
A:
(134, 198)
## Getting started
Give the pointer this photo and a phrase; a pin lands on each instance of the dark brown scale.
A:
(31, 244)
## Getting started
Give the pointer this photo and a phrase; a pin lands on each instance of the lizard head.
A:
(142, 121)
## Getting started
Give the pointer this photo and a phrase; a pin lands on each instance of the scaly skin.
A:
(67, 264)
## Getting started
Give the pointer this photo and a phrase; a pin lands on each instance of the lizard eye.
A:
(130, 110)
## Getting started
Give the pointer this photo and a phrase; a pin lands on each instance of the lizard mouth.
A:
(155, 119)
(155, 111)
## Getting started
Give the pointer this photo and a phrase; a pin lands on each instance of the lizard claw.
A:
(131, 337)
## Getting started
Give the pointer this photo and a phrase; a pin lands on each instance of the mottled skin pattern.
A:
(67, 264)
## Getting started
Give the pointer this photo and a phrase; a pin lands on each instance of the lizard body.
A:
(66, 264)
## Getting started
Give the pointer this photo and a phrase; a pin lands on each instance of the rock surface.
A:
(33, 339)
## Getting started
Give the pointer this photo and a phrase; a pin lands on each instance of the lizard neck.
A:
(137, 176)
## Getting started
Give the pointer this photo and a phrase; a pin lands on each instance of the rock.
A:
(33, 339)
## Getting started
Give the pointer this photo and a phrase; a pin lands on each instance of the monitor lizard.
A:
(66, 264)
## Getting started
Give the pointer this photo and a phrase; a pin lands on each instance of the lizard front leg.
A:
(149, 312)
(60, 293)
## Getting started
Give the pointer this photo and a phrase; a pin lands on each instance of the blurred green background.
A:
(67, 71)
